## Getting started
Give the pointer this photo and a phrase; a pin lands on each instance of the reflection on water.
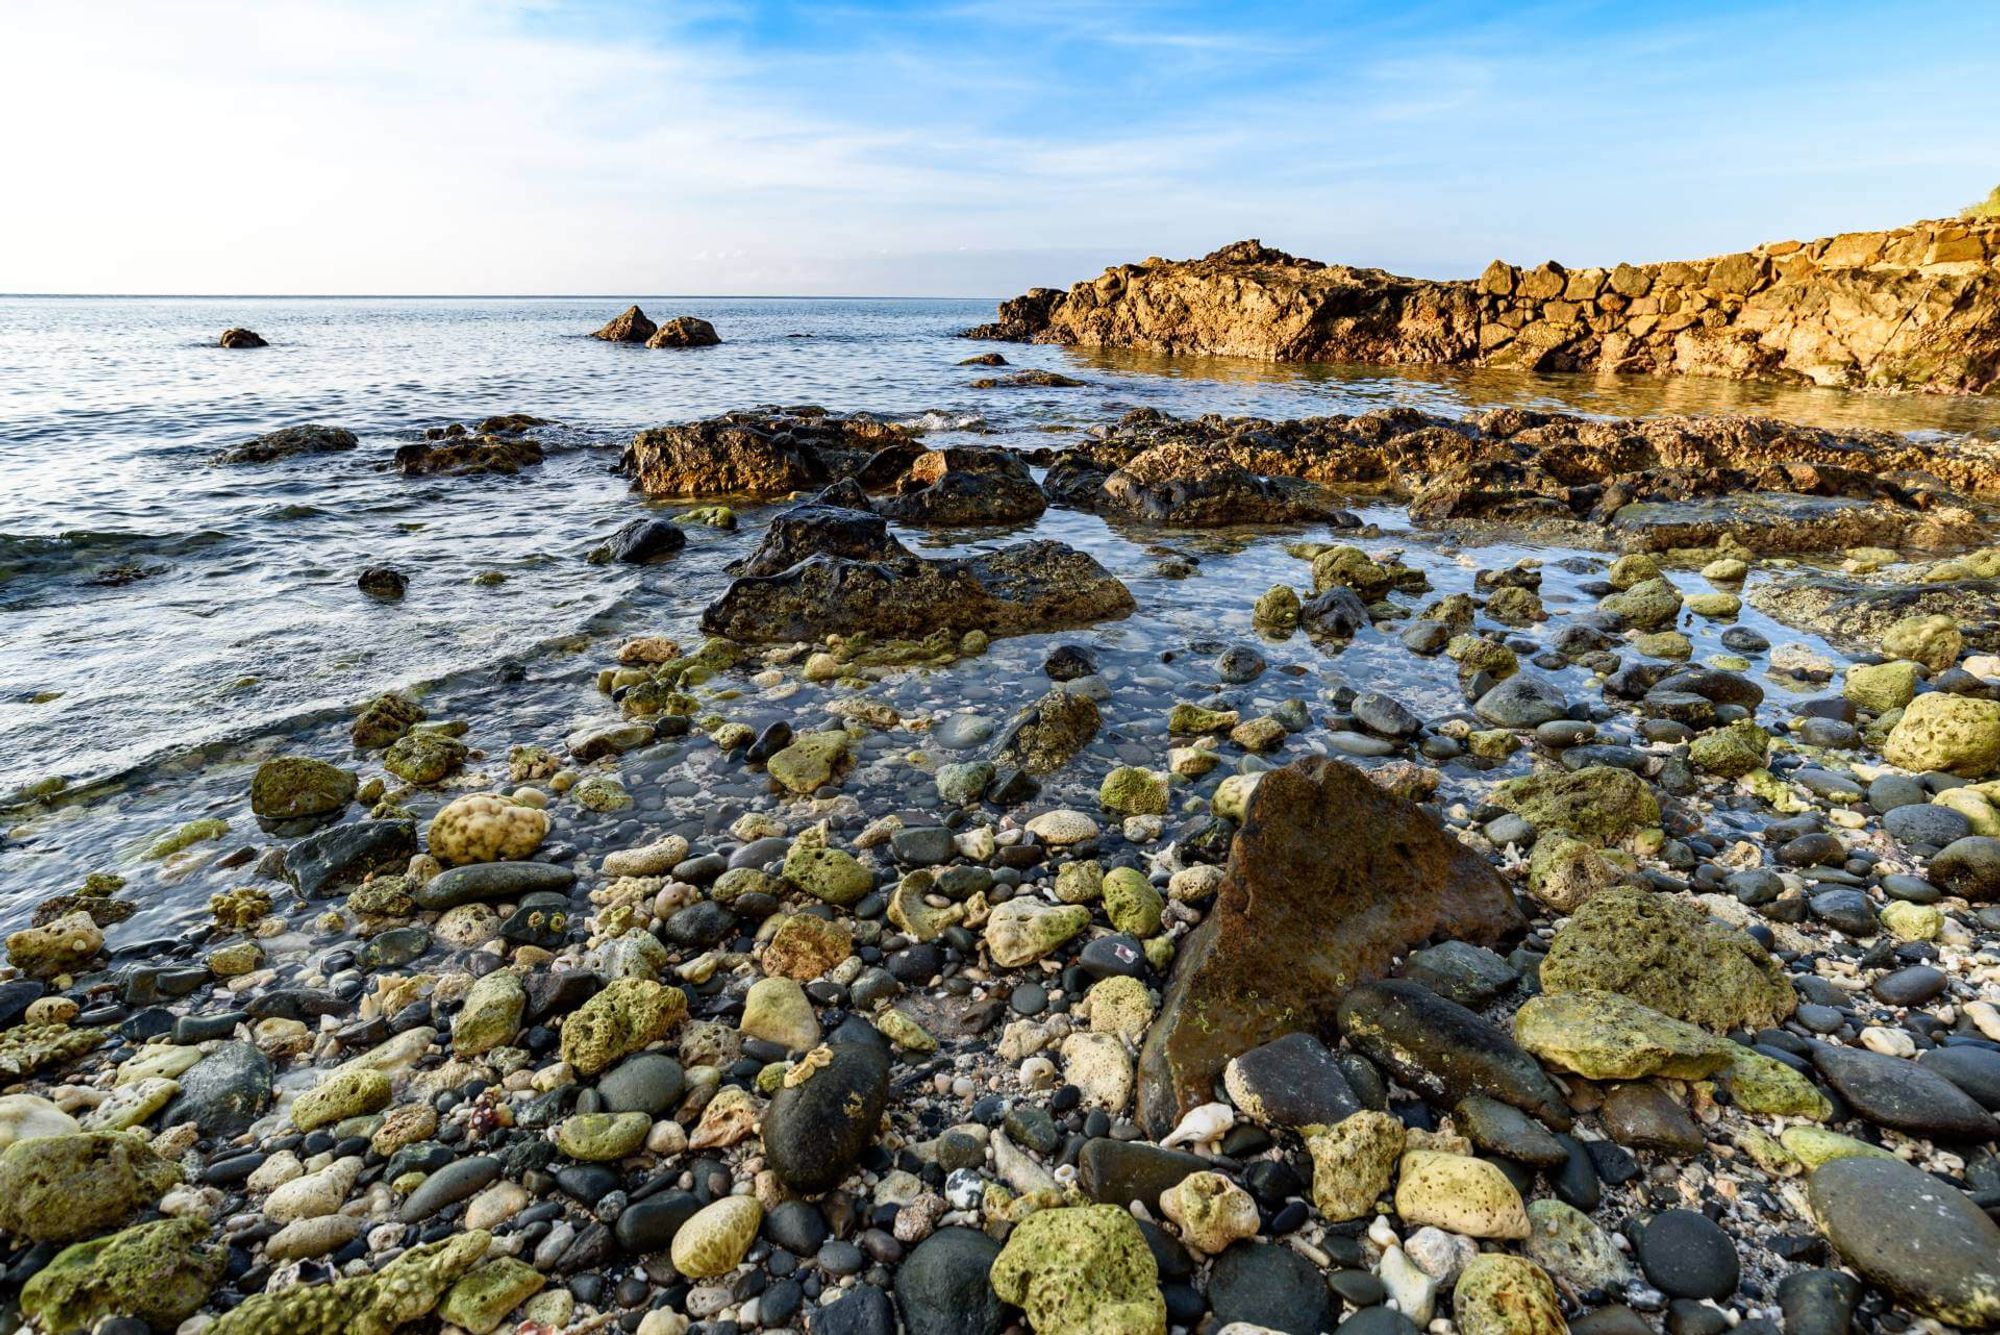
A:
(1452, 390)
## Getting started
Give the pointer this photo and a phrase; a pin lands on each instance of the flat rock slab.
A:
(1293, 929)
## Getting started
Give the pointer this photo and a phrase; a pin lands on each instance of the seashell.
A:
(713, 1242)
(1202, 1126)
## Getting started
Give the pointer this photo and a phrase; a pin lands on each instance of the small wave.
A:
(938, 420)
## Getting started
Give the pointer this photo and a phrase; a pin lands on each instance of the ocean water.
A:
(163, 622)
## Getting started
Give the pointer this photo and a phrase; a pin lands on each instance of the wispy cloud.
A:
(738, 145)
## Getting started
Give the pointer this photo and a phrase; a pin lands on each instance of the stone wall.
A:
(1914, 308)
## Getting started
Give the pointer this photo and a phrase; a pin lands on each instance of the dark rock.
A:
(816, 1131)
(292, 440)
(1270, 1286)
(643, 541)
(1292, 1081)
(1291, 929)
(1501, 1129)
(1444, 1051)
(1470, 975)
(942, 1287)
(490, 880)
(1969, 867)
(1686, 1255)
(1909, 1233)
(1976, 1070)
(224, 1092)
(345, 856)
(1119, 1172)
(628, 326)
(1904, 1095)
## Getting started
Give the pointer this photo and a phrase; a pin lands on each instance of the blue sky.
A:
(975, 148)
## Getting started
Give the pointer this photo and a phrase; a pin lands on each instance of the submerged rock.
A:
(628, 326)
(684, 331)
(1292, 930)
(292, 440)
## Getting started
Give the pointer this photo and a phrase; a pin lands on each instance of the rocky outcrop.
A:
(755, 454)
(310, 438)
(1293, 929)
(467, 455)
(1637, 484)
(1912, 308)
(628, 326)
(684, 331)
(885, 590)
(242, 338)
(963, 485)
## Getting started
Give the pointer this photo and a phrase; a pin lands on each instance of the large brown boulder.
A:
(720, 458)
(1182, 484)
(629, 326)
(1328, 882)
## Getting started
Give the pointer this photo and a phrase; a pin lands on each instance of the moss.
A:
(626, 1016)
(1082, 1270)
(1131, 790)
(188, 835)
(158, 1272)
(404, 1290)
(60, 1188)
(1599, 803)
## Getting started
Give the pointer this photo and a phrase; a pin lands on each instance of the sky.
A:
(963, 148)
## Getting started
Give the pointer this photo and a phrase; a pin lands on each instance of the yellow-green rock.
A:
(1131, 790)
(1354, 1162)
(1954, 733)
(157, 1272)
(627, 1015)
(1881, 687)
(1131, 902)
(482, 1299)
(1498, 1294)
(1082, 1270)
(344, 1094)
(1605, 1036)
(1934, 641)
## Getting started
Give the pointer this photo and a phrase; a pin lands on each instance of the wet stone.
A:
(1685, 1254)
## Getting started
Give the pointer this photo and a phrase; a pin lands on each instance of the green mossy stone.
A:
(1599, 803)
(158, 1272)
(298, 787)
(342, 1095)
(1082, 1270)
(601, 1137)
(1731, 751)
(481, 1301)
(827, 874)
(406, 1289)
(627, 1015)
(810, 762)
(1131, 902)
(1667, 954)
(1605, 1036)
(61, 1188)
(1131, 790)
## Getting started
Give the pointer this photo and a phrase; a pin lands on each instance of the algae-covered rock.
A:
(1082, 1270)
(491, 1015)
(829, 875)
(626, 1016)
(1049, 733)
(424, 757)
(600, 1137)
(186, 837)
(343, 1094)
(1131, 902)
(1935, 641)
(1354, 1162)
(157, 1272)
(1647, 605)
(1277, 608)
(1881, 687)
(1954, 733)
(713, 1241)
(482, 1299)
(298, 788)
(1731, 751)
(1563, 872)
(485, 827)
(1668, 955)
(406, 1289)
(1506, 1295)
(63, 946)
(60, 1188)
(1131, 790)
(1459, 1194)
(1021, 931)
(1606, 1036)
(1760, 1084)
(1599, 803)
(811, 761)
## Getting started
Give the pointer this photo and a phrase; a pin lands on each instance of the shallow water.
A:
(244, 634)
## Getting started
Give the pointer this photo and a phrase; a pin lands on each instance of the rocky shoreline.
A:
(1651, 983)
(1913, 308)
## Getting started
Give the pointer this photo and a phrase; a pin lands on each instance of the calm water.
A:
(159, 617)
